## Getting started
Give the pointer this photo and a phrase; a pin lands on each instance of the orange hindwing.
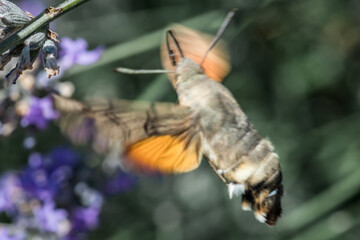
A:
(194, 45)
(166, 154)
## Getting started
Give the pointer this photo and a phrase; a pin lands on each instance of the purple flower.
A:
(59, 178)
(61, 156)
(37, 184)
(71, 52)
(82, 220)
(7, 235)
(47, 175)
(10, 192)
(35, 160)
(74, 52)
(41, 111)
(119, 182)
(51, 219)
(29, 142)
(85, 219)
(33, 7)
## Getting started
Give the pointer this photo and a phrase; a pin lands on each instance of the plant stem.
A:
(39, 21)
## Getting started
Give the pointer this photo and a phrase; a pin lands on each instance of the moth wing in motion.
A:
(166, 154)
(194, 45)
(157, 136)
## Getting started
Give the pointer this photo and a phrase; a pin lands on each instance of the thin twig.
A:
(47, 16)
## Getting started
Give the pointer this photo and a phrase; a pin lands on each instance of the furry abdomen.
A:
(229, 140)
(236, 151)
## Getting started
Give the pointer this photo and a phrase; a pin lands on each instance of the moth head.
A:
(185, 68)
(197, 48)
(265, 200)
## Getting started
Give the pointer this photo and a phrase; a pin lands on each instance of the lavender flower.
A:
(51, 219)
(62, 156)
(119, 182)
(29, 142)
(56, 196)
(10, 192)
(46, 174)
(11, 15)
(75, 52)
(6, 57)
(11, 18)
(71, 52)
(38, 184)
(34, 42)
(41, 111)
(33, 7)
(12, 77)
(49, 54)
(60, 178)
(85, 219)
(5, 234)
(28, 55)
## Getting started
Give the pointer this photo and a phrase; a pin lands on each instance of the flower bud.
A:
(36, 40)
(27, 57)
(4, 32)
(11, 15)
(49, 54)
(6, 57)
(12, 77)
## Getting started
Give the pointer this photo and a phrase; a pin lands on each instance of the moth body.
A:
(235, 149)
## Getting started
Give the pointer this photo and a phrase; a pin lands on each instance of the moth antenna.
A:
(220, 32)
(141, 71)
(171, 52)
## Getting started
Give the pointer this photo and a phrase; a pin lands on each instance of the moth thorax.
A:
(186, 69)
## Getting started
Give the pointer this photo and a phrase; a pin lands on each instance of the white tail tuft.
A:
(260, 217)
(236, 189)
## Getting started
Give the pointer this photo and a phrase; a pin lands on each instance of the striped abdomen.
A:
(248, 165)
(240, 156)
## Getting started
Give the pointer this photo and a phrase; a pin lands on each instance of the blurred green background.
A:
(295, 73)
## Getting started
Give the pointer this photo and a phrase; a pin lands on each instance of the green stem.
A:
(39, 21)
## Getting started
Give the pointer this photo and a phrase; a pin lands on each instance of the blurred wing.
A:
(136, 126)
(166, 154)
(194, 45)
